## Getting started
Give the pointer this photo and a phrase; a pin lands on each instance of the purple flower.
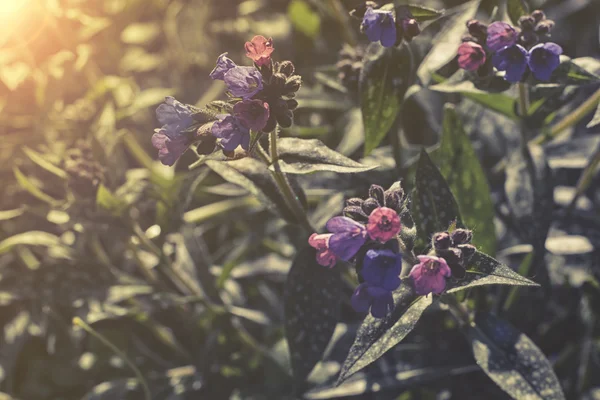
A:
(253, 114)
(500, 35)
(170, 148)
(471, 56)
(224, 64)
(379, 26)
(174, 116)
(384, 224)
(348, 237)
(543, 60)
(513, 60)
(381, 268)
(231, 132)
(379, 300)
(429, 276)
(325, 256)
(172, 139)
(243, 82)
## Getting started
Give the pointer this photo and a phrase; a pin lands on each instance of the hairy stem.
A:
(523, 99)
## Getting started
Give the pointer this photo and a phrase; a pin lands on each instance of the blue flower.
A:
(243, 82)
(348, 237)
(380, 26)
(381, 268)
(224, 64)
(231, 132)
(544, 59)
(367, 296)
(500, 35)
(513, 60)
(173, 139)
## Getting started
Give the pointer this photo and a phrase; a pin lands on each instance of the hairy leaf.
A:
(311, 299)
(422, 14)
(383, 82)
(512, 360)
(516, 9)
(485, 270)
(376, 336)
(570, 72)
(461, 168)
(304, 156)
(435, 204)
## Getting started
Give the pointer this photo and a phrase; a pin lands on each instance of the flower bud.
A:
(467, 251)
(278, 82)
(291, 104)
(544, 27)
(356, 213)
(292, 85)
(410, 28)
(286, 68)
(477, 29)
(527, 22)
(393, 200)
(461, 236)
(369, 205)
(441, 241)
(528, 38)
(454, 258)
(355, 201)
(538, 15)
(376, 192)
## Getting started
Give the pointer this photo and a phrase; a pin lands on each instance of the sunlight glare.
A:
(10, 8)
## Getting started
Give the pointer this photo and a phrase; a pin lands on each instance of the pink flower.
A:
(429, 276)
(325, 256)
(471, 56)
(500, 35)
(253, 114)
(384, 224)
(259, 49)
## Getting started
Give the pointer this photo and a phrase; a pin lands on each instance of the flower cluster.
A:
(455, 248)
(261, 97)
(386, 24)
(510, 49)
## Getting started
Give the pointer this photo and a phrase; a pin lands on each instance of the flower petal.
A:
(343, 224)
(361, 300)
(346, 244)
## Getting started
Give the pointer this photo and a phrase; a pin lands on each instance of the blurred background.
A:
(178, 276)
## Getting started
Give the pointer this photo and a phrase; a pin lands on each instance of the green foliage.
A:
(465, 177)
(304, 19)
(383, 82)
(516, 9)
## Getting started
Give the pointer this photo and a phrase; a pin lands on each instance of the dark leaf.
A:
(485, 270)
(570, 72)
(312, 298)
(461, 168)
(304, 156)
(436, 206)
(516, 9)
(376, 336)
(512, 360)
(596, 119)
(40, 160)
(383, 82)
(529, 191)
(255, 177)
(106, 200)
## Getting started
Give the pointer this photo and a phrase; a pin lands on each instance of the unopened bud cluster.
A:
(455, 248)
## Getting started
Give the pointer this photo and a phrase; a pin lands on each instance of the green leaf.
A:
(498, 102)
(465, 177)
(436, 207)
(382, 84)
(512, 360)
(572, 72)
(10, 214)
(42, 162)
(304, 19)
(255, 177)
(35, 191)
(312, 298)
(377, 335)
(140, 33)
(33, 238)
(595, 119)
(447, 40)
(485, 270)
(516, 9)
(422, 14)
(106, 200)
(302, 156)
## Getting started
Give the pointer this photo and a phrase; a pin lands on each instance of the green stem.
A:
(460, 312)
(523, 99)
(79, 322)
(284, 185)
(570, 119)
